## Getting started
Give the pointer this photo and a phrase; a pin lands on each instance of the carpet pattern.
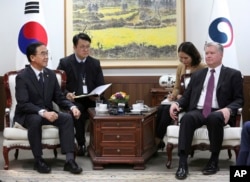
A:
(56, 176)
(21, 170)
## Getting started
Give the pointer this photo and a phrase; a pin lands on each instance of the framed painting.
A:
(128, 33)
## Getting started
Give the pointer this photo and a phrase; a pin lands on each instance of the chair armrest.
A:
(238, 117)
(7, 117)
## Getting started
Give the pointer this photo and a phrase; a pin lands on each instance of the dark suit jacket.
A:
(94, 74)
(29, 95)
(229, 90)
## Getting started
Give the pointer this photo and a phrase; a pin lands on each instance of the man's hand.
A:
(226, 113)
(76, 113)
(174, 109)
(50, 115)
(70, 96)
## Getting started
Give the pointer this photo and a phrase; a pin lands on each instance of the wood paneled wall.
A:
(138, 87)
(246, 90)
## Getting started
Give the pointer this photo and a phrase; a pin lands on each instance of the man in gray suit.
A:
(36, 88)
(226, 98)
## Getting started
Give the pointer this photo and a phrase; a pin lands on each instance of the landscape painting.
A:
(129, 33)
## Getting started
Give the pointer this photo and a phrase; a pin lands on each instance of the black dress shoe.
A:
(211, 168)
(72, 167)
(81, 150)
(182, 171)
(41, 166)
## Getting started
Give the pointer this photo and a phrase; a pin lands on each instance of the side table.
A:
(158, 95)
(121, 139)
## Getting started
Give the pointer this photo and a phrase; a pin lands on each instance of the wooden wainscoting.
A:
(246, 90)
(138, 87)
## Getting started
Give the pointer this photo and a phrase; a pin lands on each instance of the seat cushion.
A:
(232, 135)
(48, 132)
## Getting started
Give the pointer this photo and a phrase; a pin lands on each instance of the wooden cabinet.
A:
(158, 95)
(121, 139)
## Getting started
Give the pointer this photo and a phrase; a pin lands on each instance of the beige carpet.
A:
(33, 176)
(21, 170)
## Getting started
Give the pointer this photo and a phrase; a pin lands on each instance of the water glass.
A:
(141, 103)
(97, 103)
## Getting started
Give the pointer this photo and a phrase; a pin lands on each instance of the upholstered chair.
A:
(14, 135)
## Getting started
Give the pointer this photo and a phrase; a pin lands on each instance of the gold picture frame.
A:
(126, 62)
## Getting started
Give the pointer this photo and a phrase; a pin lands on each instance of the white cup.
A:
(136, 107)
(103, 107)
(141, 103)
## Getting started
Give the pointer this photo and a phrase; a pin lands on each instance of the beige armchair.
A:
(200, 141)
(14, 135)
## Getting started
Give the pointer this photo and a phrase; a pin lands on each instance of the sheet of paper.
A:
(166, 102)
(96, 92)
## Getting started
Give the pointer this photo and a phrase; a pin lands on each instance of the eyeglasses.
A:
(44, 54)
(84, 47)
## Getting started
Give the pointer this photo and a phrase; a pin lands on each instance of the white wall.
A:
(12, 18)
(197, 18)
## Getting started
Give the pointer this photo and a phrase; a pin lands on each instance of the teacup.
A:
(103, 107)
(136, 107)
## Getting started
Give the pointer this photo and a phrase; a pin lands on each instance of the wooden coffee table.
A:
(121, 139)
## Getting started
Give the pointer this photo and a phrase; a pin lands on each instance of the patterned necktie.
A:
(209, 95)
(41, 79)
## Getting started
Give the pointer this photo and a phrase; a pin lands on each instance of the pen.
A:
(73, 95)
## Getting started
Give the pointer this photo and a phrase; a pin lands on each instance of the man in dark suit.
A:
(84, 74)
(226, 98)
(36, 88)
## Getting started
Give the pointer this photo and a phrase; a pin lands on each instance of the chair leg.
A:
(192, 153)
(16, 154)
(236, 150)
(170, 147)
(229, 153)
(6, 157)
(55, 153)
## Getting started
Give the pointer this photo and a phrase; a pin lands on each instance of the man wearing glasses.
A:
(36, 88)
(84, 74)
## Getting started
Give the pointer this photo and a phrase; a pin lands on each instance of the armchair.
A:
(14, 135)
(200, 141)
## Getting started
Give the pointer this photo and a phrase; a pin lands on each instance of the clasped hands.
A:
(52, 115)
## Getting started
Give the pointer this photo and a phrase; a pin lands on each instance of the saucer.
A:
(135, 111)
(101, 111)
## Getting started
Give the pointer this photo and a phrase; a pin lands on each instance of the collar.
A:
(36, 71)
(80, 60)
(217, 69)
